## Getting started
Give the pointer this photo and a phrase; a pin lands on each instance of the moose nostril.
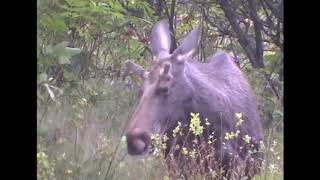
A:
(138, 142)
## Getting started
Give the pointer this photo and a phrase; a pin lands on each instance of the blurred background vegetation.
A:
(84, 102)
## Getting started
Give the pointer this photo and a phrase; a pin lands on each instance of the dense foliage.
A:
(84, 101)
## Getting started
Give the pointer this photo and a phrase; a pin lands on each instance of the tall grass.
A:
(80, 139)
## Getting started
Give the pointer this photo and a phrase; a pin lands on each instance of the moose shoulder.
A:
(176, 85)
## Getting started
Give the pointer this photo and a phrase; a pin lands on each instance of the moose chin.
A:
(176, 85)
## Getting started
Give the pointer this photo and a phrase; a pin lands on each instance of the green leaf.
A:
(42, 77)
(118, 15)
(48, 49)
(63, 44)
(54, 23)
(61, 51)
(89, 18)
(63, 60)
(116, 6)
(96, 9)
(72, 51)
(77, 3)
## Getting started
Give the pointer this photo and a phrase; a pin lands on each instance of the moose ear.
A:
(160, 40)
(188, 45)
(132, 68)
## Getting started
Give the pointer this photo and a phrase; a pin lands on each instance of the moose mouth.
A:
(139, 143)
(147, 151)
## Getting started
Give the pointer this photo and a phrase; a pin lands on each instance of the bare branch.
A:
(244, 40)
(277, 11)
(257, 28)
(171, 23)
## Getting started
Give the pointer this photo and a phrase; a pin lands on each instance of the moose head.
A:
(166, 93)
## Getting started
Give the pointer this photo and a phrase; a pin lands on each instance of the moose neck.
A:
(204, 93)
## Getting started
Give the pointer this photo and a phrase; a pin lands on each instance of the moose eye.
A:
(162, 90)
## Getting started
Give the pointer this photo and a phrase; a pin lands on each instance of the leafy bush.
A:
(84, 103)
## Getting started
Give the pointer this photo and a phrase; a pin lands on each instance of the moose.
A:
(176, 85)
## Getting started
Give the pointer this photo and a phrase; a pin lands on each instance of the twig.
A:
(244, 40)
(116, 150)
